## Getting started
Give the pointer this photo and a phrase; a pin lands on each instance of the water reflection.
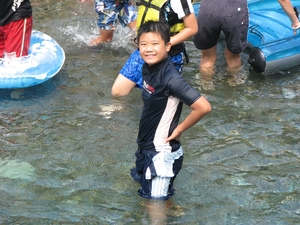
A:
(67, 146)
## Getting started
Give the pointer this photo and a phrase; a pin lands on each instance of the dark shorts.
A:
(215, 16)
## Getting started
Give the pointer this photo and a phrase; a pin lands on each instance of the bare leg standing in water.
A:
(107, 35)
(109, 13)
(157, 210)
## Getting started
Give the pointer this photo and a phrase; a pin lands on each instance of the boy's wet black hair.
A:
(162, 28)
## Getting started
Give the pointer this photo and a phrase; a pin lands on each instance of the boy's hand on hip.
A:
(174, 136)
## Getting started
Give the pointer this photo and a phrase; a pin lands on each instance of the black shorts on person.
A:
(231, 17)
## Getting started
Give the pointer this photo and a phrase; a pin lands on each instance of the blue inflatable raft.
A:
(44, 61)
(271, 39)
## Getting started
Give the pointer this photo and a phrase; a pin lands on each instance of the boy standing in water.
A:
(15, 28)
(109, 12)
(159, 154)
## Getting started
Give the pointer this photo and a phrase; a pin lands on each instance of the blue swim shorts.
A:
(110, 11)
(132, 69)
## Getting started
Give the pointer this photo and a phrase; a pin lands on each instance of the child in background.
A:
(159, 154)
(109, 12)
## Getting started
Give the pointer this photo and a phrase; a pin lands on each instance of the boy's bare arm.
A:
(199, 109)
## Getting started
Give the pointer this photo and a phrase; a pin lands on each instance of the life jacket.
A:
(157, 10)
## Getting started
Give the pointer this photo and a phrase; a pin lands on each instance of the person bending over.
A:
(232, 18)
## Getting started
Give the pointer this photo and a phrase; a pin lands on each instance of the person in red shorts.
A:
(15, 28)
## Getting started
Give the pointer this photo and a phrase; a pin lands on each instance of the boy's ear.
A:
(168, 46)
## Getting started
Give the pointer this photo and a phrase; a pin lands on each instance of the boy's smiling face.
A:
(152, 47)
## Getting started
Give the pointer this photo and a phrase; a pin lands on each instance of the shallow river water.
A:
(67, 146)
